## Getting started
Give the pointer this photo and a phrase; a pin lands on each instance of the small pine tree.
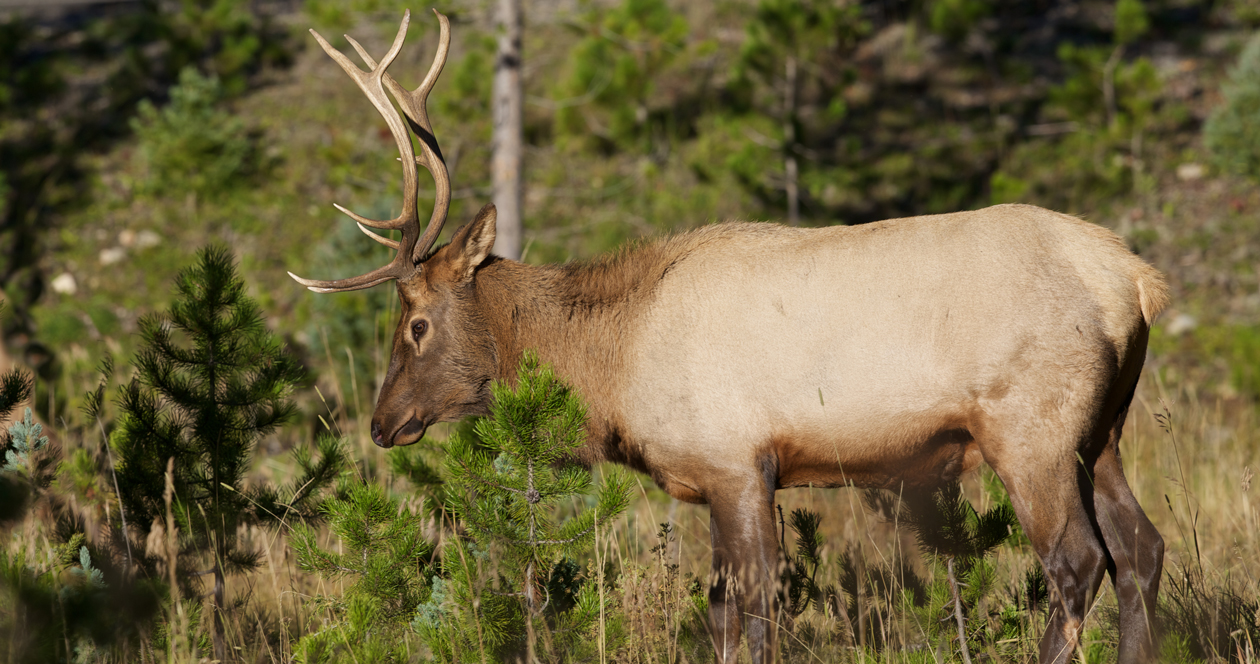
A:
(874, 592)
(617, 66)
(69, 608)
(61, 613)
(798, 582)
(211, 381)
(778, 67)
(387, 558)
(25, 438)
(513, 578)
(960, 539)
(28, 465)
(15, 387)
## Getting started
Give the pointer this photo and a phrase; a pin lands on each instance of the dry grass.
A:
(1189, 461)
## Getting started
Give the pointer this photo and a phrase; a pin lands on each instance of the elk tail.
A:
(1152, 292)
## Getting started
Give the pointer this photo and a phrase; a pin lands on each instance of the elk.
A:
(738, 359)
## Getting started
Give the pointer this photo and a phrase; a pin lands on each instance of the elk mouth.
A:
(409, 433)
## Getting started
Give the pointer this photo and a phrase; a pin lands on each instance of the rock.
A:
(1190, 172)
(147, 238)
(1181, 324)
(65, 284)
(112, 255)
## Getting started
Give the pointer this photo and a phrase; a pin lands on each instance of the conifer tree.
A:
(15, 387)
(1232, 132)
(798, 580)
(192, 144)
(616, 68)
(959, 538)
(513, 583)
(211, 381)
(780, 58)
(387, 561)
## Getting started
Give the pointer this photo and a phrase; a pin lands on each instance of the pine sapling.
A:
(15, 388)
(960, 538)
(28, 467)
(211, 382)
(506, 580)
(25, 438)
(387, 562)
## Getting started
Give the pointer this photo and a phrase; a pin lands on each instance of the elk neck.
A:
(578, 318)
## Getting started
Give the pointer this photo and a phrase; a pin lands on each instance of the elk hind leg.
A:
(1135, 548)
(1051, 499)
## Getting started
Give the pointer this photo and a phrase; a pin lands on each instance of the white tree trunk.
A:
(508, 139)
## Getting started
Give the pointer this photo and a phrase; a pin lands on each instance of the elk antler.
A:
(414, 245)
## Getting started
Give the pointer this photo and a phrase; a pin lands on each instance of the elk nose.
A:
(376, 435)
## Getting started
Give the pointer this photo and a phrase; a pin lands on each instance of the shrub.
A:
(1232, 132)
(387, 561)
(513, 580)
(211, 381)
(192, 144)
(15, 387)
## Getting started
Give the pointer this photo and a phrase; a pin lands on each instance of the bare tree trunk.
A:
(508, 132)
(220, 636)
(789, 143)
(1109, 83)
(175, 643)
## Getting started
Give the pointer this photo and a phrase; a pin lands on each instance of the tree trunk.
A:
(220, 636)
(1109, 83)
(789, 144)
(508, 109)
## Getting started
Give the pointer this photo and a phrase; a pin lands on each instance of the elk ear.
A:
(472, 243)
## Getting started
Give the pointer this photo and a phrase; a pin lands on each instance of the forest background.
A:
(134, 133)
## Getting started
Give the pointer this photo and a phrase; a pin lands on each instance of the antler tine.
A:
(367, 59)
(413, 104)
(371, 83)
(392, 244)
(378, 276)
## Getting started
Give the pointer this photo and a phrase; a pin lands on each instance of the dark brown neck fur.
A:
(577, 317)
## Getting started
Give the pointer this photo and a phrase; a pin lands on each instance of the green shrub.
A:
(512, 584)
(617, 66)
(192, 144)
(1232, 132)
(955, 18)
(386, 560)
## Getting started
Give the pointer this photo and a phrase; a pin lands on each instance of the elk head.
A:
(443, 357)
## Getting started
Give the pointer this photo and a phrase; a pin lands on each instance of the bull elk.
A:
(741, 358)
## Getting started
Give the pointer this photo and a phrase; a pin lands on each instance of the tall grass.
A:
(1190, 460)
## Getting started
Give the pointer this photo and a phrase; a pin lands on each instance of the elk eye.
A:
(418, 329)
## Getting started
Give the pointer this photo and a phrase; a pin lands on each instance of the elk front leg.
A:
(745, 567)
